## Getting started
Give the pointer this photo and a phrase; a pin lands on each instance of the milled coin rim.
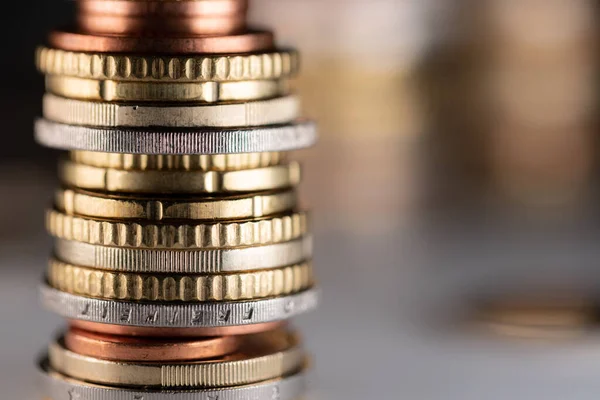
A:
(276, 177)
(60, 387)
(188, 261)
(274, 111)
(198, 315)
(277, 138)
(246, 366)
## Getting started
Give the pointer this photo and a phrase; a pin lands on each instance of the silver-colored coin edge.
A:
(294, 136)
(185, 260)
(58, 387)
(186, 315)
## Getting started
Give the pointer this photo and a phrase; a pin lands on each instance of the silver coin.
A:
(59, 387)
(183, 315)
(294, 136)
(184, 261)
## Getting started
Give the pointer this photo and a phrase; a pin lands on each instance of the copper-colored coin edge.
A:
(128, 348)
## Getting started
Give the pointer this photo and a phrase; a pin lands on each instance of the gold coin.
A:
(182, 236)
(101, 284)
(100, 205)
(262, 356)
(171, 162)
(114, 180)
(197, 68)
(210, 92)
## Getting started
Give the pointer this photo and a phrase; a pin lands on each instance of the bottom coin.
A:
(124, 330)
(56, 386)
(128, 348)
(260, 357)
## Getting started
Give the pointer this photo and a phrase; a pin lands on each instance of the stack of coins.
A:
(180, 251)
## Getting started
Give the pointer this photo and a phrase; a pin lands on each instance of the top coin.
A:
(126, 17)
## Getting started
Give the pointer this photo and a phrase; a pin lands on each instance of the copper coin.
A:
(128, 8)
(250, 41)
(119, 17)
(127, 348)
(117, 25)
(175, 332)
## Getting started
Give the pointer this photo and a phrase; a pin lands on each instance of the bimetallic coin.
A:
(260, 357)
(91, 282)
(57, 386)
(209, 92)
(294, 136)
(196, 261)
(100, 205)
(168, 68)
(249, 41)
(190, 182)
(103, 232)
(127, 348)
(200, 315)
(279, 110)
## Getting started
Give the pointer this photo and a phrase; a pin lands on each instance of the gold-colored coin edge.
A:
(101, 284)
(219, 235)
(123, 181)
(171, 162)
(209, 92)
(281, 64)
(98, 205)
(189, 374)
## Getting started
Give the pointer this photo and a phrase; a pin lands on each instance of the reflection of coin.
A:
(127, 348)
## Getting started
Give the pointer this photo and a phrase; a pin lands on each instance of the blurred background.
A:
(454, 189)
